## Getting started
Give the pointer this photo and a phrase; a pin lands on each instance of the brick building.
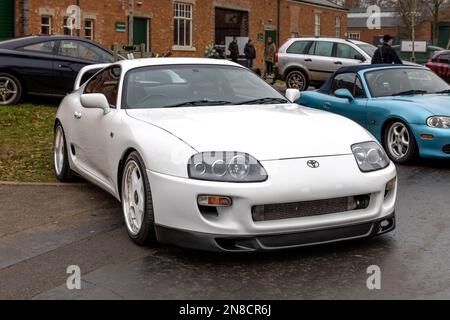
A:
(183, 27)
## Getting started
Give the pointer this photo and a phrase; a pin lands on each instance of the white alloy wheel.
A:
(133, 197)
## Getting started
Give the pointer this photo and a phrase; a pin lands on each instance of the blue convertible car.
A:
(407, 108)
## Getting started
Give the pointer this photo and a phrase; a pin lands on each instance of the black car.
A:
(45, 65)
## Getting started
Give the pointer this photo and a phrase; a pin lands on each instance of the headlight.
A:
(439, 122)
(370, 156)
(226, 167)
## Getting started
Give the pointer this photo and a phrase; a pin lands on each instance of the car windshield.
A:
(404, 81)
(194, 86)
(367, 48)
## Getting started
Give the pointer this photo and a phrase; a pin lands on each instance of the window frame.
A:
(183, 16)
(352, 34)
(338, 24)
(49, 25)
(95, 76)
(24, 48)
(356, 78)
(91, 28)
(317, 24)
(65, 27)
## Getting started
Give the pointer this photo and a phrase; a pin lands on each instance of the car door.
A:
(34, 62)
(321, 64)
(354, 110)
(71, 56)
(297, 53)
(95, 133)
(346, 56)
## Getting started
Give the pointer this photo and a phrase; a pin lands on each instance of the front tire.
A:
(10, 89)
(296, 79)
(399, 142)
(60, 156)
(137, 204)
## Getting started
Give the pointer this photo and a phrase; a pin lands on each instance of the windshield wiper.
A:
(264, 101)
(199, 103)
(410, 92)
(444, 91)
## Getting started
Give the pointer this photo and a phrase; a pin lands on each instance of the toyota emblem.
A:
(313, 164)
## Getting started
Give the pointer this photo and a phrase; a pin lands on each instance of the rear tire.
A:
(400, 143)
(10, 89)
(137, 204)
(297, 79)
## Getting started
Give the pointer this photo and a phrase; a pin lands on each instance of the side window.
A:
(444, 58)
(349, 81)
(324, 49)
(345, 51)
(298, 47)
(107, 83)
(359, 90)
(85, 51)
(44, 47)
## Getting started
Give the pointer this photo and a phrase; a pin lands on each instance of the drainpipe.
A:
(278, 22)
(79, 6)
(25, 17)
(130, 23)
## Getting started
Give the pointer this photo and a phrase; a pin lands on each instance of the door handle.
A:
(338, 62)
(327, 105)
(64, 66)
(308, 60)
(77, 115)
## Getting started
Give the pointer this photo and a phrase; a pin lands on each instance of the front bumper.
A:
(436, 148)
(175, 201)
(221, 243)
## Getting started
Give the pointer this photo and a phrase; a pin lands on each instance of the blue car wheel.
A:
(399, 142)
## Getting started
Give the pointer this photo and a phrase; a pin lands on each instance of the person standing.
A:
(250, 53)
(269, 55)
(233, 47)
(385, 54)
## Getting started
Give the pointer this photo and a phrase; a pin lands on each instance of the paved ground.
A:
(44, 229)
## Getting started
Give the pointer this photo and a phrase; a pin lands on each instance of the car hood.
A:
(435, 104)
(267, 132)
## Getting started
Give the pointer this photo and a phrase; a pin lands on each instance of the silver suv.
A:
(302, 62)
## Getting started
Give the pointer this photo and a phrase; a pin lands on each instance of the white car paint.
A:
(282, 137)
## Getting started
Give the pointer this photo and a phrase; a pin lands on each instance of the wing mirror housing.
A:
(95, 101)
(344, 94)
(293, 95)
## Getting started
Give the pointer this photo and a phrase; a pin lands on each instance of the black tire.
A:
(412, 152)
(147, 232)
(297, 79)
(63, 173)
(14, 83)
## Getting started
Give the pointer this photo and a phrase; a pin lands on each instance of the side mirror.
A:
(292, 95)
(360, 57)
(344, 94)
(95, 100)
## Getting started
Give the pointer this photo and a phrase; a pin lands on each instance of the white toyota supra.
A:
(204, 154)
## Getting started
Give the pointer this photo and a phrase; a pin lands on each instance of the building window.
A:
(354, 36)
(317, 24)
(67, 30)
(89, 29)
(182, 31)
(338, 26)
(46, 24)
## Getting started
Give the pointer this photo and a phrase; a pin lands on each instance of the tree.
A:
(434, 6)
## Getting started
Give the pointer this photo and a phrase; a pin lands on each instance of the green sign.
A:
(120, 27)
(260, 37)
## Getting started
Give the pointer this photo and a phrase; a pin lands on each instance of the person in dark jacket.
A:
(250, 53)
(385, 54)
(234, 50)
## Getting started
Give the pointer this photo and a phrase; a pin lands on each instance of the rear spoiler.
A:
(84, 70)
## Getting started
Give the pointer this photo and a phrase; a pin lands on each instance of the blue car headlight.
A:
(439, 122)
(226, 167)
(370, 156)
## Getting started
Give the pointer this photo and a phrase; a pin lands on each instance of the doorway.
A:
(7, 19)
(141, 32)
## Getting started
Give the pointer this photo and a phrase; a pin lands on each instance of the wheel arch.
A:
(12, 72)
(296, 68)
(387, 122)
(120, 168)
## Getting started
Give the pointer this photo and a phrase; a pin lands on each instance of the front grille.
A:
(446, 149)
(282, 211)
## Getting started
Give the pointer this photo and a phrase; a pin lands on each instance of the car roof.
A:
(138, 63)
(23, 41)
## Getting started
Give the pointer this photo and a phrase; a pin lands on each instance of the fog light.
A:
(390, 186)
(214, 201)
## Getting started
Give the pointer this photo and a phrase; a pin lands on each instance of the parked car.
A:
(421, 57)
(405, 107)
(45, 65)
(205, 154)
(440, 64)
(311, 61)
